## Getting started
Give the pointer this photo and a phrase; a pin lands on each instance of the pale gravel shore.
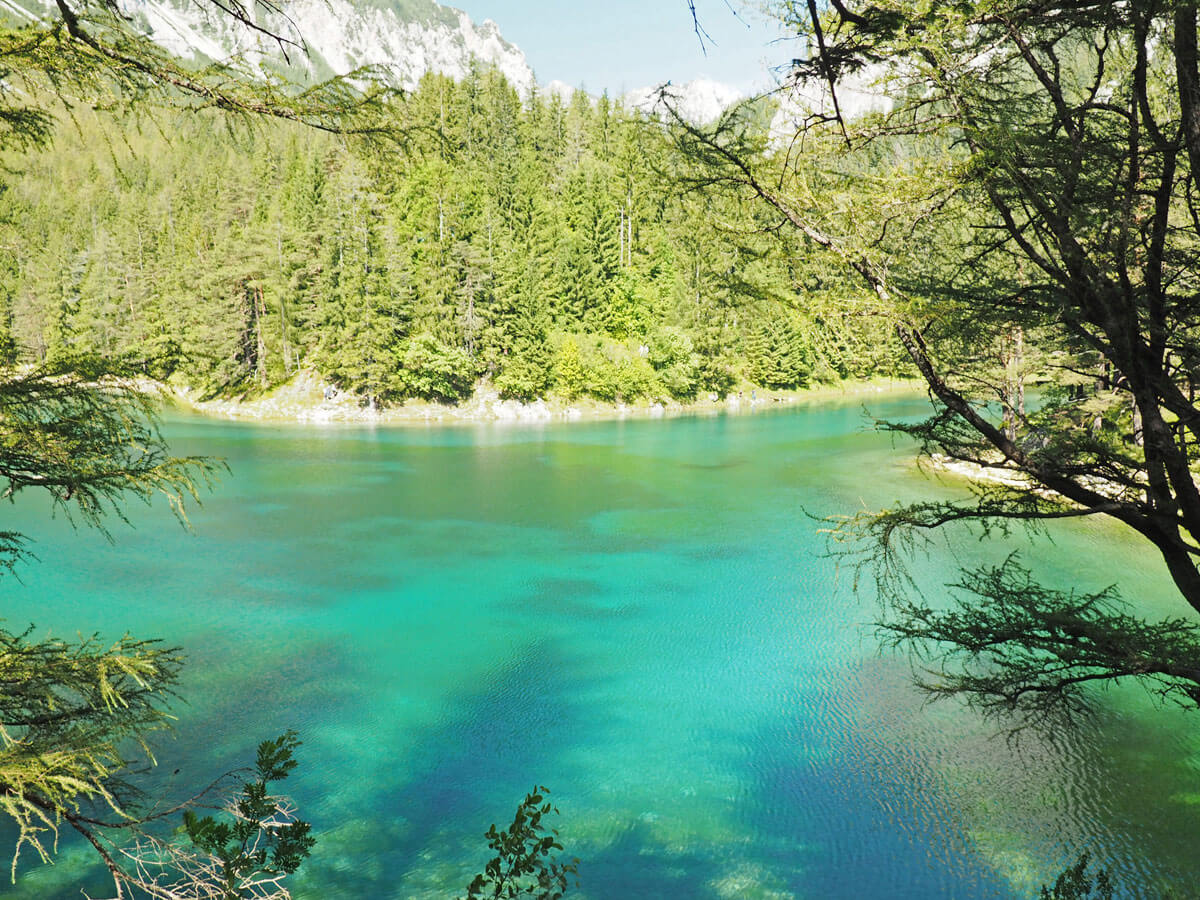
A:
(302, 400)
(944, 465)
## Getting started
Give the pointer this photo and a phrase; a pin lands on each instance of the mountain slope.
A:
(699, 101)
(404, 38)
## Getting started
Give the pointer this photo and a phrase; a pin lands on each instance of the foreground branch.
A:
(1013, 647)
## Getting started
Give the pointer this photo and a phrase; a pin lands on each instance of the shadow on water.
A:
(408, 839)
(839, 816)
(270, 691)
(636, 864)
(475, 767)
(572, 600)
(1136, 769)
(956, 809)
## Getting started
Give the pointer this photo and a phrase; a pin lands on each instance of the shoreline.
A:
(302, 401)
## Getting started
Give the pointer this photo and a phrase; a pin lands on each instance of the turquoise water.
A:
(637, 614)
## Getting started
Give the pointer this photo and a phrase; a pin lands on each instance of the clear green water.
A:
(637, 614)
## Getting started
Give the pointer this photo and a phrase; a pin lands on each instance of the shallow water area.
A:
(638, 614)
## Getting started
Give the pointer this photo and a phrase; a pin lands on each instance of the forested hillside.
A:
(537, 242)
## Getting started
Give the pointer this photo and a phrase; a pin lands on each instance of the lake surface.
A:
(637, 614)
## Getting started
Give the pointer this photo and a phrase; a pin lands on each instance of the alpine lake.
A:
(641, 615)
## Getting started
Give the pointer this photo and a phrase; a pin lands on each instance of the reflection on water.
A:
(639, 615)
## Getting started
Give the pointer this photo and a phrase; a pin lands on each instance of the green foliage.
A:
(76, 717)
(668, 346)
(670, 351)
(526, 863)
(72, 717)
(433, 371)
(522, 379)
(258, 840)
(89, 439)
(715, 376)
(1021, 212)
(228, 261)
(569, 376)
(1014, 647)
(682, 380)
(616, 375)
(777, 354)
(1078, 883)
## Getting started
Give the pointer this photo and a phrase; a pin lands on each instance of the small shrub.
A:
(682, 379)
(522, 379)
(525, 864)
(714, 376)
(570, 378)
(668, 347)
(1077, 883)
(432, 371)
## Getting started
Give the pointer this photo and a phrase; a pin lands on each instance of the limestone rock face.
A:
(404, 39)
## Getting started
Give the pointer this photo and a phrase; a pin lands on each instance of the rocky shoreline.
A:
(306, 399)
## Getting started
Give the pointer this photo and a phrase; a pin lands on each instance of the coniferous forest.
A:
(537, 242)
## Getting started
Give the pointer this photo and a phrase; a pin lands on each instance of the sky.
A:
(620, 45)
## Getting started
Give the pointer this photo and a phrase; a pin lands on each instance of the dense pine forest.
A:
(543, 244)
